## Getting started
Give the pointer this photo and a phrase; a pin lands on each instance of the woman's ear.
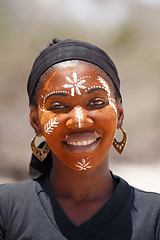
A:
(120, 113)
(34, 120)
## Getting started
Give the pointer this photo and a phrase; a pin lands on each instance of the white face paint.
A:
(84, 165)
(106, 87)
(75, 84)
(50, 125)
(49, 94)
(79, 116)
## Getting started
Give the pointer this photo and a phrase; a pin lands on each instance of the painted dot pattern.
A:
(76, 84)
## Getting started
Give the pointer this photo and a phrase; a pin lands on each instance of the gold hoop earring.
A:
(119, 146)
(40, 153)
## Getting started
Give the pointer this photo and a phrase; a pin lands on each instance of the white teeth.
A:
(79, 144)
(90, 141)
(83, 143)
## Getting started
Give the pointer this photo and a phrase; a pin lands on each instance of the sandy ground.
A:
(143, 176)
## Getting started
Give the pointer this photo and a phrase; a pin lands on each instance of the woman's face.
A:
(78, 115)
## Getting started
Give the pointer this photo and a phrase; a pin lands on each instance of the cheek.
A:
(49, 123)
(106, 119)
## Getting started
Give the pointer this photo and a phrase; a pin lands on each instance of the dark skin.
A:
(81, 194)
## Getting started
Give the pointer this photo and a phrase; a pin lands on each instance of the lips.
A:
(81, 142)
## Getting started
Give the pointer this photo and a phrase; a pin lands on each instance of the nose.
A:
(78, 119)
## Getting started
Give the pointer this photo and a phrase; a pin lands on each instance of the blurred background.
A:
(129, 31)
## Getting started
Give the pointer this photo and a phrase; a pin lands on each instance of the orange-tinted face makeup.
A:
(78, 115)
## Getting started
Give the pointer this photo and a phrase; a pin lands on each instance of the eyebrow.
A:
(95, 89)
(66, 95)
(56, 94)
(59, 94)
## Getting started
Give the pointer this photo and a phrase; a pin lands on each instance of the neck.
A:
(92, 184)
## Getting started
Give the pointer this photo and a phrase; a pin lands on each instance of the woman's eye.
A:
(96, 102)
(57, 107)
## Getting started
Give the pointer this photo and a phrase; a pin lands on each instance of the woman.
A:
(75, 103)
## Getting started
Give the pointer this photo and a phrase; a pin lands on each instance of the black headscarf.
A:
(60, 51)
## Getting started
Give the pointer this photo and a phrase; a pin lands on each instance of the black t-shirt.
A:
(66, 226)
(29, 210)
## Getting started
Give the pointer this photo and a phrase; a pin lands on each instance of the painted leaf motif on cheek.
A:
(50, 125)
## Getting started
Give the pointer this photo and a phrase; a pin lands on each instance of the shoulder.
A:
(146, 214)
(10, 193)
(147, 205)
(15, 188)
(147, 198)
(141, 197)
(13, 200)
(142, 203)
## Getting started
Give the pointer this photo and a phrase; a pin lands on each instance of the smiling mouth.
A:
(83, 143)
(79, 143)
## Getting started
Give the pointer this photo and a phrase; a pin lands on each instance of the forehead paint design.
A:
(83, 165)
(74, 84)
(50, 125)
